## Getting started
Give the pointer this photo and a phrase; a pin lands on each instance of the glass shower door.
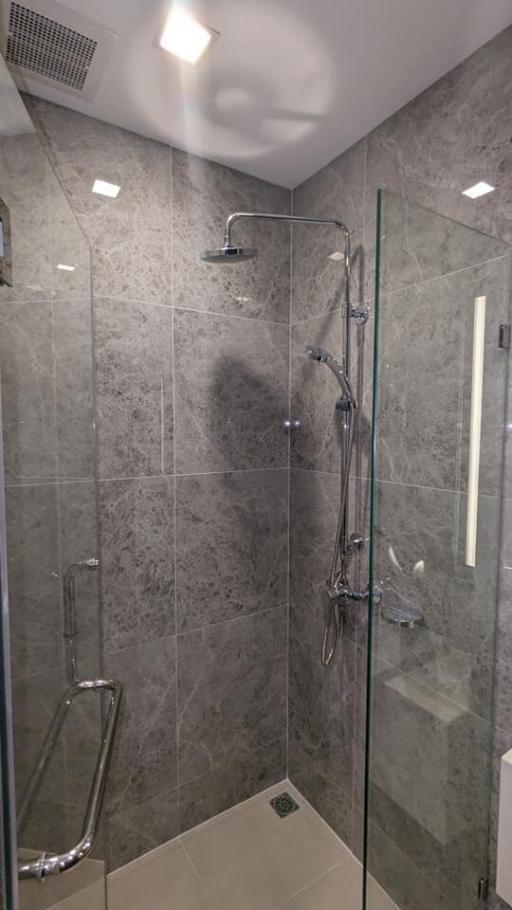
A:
(443, 290)
(48, 525)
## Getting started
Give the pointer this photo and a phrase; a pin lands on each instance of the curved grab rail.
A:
(55, 863)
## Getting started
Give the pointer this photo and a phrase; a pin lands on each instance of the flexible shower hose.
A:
(343, 555)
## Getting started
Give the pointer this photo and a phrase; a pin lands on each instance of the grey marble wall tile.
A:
(137, 536)
(144, 757)
(34, 581)
(231, 380)
(74, 385)
(134, 388)
(231, 691)
(232, 545)
(235, 780)
(440, 143)
(52, 826)
(319, 784)
(78, 542)
(359, 739)
(204, 194)
(419, 391)
(412, 888)
(35, 699)
(336, 191)
(27, 186)
(418, 244)
(130, 235)
(142, 828)
(68, 246)
(28, 392)
(503, 681)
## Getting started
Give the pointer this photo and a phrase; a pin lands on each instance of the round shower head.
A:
(228, 254)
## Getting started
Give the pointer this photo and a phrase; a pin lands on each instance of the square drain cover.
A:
(283, 804)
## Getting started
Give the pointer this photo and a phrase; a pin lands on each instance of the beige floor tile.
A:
(252, 860)
(91, 898)
(164, 880)
(340, 888)
(337, 889)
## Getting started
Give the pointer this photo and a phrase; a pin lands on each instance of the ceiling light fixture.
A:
(336, 256)
(104, 188)
(185, 37)
(478, 189)
(66, 268)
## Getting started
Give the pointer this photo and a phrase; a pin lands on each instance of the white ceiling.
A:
(290, 83)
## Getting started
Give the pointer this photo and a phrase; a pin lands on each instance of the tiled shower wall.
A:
(192, 376)
(455, 133)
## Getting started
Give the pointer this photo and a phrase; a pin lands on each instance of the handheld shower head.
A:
(321, 356)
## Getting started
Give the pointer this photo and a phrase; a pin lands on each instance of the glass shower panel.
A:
(50, 508)
(443, 290)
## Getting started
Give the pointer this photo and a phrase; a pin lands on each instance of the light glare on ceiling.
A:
(104, 188)
(478, 189)
(65, 268)
(185, 37)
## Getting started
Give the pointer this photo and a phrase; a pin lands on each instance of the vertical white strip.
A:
(475, 431)
(503, 864)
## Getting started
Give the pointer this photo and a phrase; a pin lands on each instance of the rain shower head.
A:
(228, 253)
(321, 356)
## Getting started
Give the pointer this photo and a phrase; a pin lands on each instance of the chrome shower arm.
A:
(291, 219)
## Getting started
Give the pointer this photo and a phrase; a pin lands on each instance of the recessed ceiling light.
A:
(337, 256)
(66, 268)
(185, 37)
(104, 188)
(478, 189)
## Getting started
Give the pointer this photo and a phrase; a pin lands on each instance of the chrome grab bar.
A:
(55, 863)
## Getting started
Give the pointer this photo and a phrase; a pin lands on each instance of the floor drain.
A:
(283, 805)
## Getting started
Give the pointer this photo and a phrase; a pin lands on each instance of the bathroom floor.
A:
(248, 859)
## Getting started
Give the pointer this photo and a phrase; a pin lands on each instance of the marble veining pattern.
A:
(130, 235)
(137, 530)
(233, 674)
(134, 388)
(231, 532)
(231, 378)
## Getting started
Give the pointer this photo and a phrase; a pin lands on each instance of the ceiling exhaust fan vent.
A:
(48, 48)
(49, 43)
